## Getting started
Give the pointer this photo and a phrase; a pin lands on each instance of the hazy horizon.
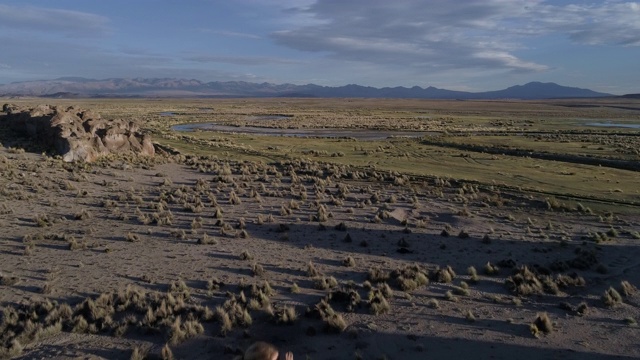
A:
(466, 45)
(78, 78)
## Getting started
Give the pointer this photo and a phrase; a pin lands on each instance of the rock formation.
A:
(77, 135)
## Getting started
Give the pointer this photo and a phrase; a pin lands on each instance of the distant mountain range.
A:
(139, 87)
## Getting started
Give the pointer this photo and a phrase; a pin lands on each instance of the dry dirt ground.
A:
(178, 251)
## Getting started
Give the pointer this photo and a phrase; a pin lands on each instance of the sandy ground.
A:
(101, 207)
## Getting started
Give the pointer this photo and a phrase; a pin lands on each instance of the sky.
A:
(470, 45)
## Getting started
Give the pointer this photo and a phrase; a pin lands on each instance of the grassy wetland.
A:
(380, 229)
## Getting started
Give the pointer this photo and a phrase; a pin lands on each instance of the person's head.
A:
(261, 351)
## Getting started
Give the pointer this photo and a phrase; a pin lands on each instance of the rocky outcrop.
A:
(77, 135)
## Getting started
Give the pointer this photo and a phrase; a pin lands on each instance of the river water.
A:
(359, 134)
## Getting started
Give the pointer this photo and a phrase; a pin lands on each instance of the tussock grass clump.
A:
(386, 290)
(295, 289)
(139, 353)
(333, 321)
(285, 211)
(377, 275)
(226, 325)
(410, 277)
(470, 316)
(612, 232)
(449, 296)
(245, 255)
(346, 295)
(378, 303)
(444, 275)
(180, 331)
(179, 234)
(627, 289)
(179, 288)
(565, 281)
(582, 309)
(82, 215)
(462, 290)
(234, 199)
(8, 280)
(196, 223)
(43, 220)
(324, 283)
(490, 269)
(266, 288)
(473, 274)
(312, 271)
(257, 270)
(542, 323)
(433, 303)
(286, 315)
(11, 350)
(526, 282)
(322, 214)
(131, 237)
(46, 288)
(218, 214)
(109, 204)
(214, 284)
(207, 240)
(611, 297)
(349, 262)
(73, 244)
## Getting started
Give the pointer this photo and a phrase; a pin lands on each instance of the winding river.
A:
(359, 134)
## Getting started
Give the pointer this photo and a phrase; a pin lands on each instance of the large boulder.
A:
(77, 135)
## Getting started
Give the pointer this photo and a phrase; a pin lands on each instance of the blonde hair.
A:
(259, 351)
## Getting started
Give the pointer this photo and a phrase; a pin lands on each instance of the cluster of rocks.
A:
(76, 134)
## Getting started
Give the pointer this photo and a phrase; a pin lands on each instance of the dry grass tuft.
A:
(611, 297)
(627, 289)
(378, 303)
(287, 315)
(312, 271)
(377, 275)
(542, 323)
(349, 262)
(245, 255)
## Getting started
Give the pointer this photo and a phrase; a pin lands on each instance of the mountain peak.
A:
(172, 87)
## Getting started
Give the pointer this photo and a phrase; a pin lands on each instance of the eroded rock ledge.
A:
(76, 134)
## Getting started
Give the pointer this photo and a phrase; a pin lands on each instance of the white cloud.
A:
(443, 34)
(69, 22)
(612, 23)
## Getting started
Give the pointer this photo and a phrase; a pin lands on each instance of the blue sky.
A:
(461, 45)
